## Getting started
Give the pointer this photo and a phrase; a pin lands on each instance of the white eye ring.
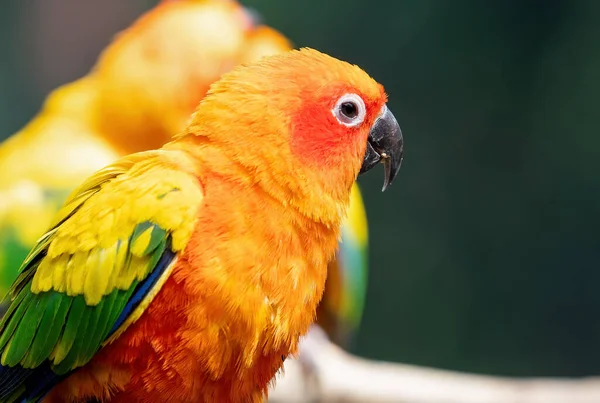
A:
(350, 110)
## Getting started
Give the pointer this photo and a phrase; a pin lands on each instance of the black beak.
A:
(385, 144)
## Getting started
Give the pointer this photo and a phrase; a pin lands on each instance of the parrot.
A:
(134, 99)
(188, 273)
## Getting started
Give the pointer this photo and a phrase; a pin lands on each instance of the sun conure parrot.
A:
(188, 273)
(135, 98)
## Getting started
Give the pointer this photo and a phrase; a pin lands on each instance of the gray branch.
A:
(325, 373)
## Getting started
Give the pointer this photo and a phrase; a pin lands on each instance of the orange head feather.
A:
(307, 155)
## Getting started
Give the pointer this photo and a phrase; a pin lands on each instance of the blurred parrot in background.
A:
(189, 273)
(140, 93)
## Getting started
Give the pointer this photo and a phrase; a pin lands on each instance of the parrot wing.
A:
(342, 306)
(95, 271)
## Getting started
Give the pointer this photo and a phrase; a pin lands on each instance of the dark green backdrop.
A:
(485, 251)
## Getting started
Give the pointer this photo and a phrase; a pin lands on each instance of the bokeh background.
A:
(485, 253)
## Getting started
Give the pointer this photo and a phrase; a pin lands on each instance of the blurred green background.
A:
(484, 253)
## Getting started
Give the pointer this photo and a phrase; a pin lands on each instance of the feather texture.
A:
(85, 282)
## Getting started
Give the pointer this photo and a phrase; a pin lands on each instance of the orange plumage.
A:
(275, 167)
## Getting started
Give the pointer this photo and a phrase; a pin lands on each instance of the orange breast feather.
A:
(223, 321)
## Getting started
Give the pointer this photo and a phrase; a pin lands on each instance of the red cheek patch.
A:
(317, 137)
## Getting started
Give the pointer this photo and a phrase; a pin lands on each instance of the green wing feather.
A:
(109, 236)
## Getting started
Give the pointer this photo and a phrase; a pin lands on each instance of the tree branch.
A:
(325, 373)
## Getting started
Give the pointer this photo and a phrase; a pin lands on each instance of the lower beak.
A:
(385, 145)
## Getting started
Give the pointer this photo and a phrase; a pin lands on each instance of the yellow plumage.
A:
(88, 259)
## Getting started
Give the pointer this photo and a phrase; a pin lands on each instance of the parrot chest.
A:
(240, 296)
(246, 295)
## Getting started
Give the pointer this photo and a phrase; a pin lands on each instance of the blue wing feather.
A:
(143, 288)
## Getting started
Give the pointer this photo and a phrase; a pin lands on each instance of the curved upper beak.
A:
(385, 144)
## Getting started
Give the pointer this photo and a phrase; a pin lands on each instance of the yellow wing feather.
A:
(86, 253)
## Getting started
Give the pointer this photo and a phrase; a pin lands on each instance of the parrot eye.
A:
(349, 110)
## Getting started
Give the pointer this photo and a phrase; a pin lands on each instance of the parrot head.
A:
(321, 122)
(154, 73)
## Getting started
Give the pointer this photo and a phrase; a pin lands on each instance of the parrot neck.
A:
(297, 190)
